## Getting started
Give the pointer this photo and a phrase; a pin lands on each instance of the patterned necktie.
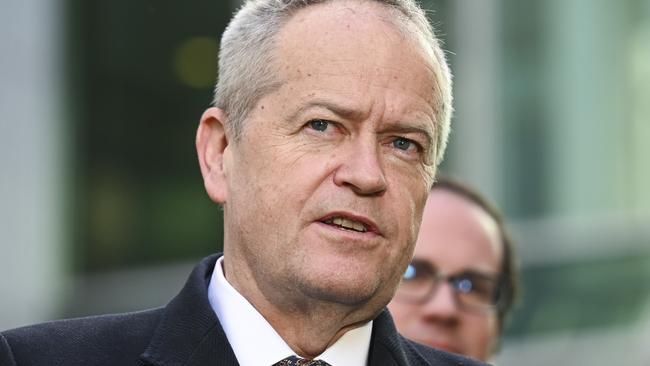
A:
(297, 361)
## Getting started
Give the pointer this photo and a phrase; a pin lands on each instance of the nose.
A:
(442, 306)
(361, 169)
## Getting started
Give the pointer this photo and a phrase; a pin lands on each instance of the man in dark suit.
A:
(330, 118)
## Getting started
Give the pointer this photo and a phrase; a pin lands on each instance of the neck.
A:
(309, 336)
(308, 326)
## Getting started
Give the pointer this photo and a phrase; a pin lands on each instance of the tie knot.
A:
(297, 361)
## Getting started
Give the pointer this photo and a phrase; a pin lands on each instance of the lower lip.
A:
(347, 234)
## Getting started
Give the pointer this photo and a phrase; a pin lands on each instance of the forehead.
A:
(354, 38)
(458, 235)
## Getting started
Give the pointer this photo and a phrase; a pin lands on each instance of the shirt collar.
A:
(255, 342)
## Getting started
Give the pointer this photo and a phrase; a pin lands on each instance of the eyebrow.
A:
(339, 110)
(484, 275)
(494, 276)
(352, 114)
(404, 128)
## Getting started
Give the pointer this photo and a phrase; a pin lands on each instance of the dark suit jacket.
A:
(185, 332)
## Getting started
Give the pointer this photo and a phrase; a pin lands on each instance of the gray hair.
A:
(246, 71)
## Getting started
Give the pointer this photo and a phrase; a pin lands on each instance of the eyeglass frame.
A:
(454, 280)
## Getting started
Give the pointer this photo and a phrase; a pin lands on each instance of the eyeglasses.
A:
(473, 291)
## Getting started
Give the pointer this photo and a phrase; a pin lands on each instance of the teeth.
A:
(348, 224)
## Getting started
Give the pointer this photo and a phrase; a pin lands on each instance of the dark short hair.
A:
(509, 272)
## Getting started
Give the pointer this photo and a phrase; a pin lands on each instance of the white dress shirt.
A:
(256, 343)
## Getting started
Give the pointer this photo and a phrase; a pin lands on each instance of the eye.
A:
(410, 273)
(319, 124)
(469, 283)
(464, 285)
(407, 145)
(402, 144)
(418, 271)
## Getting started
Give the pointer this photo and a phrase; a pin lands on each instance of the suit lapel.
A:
(189, 332)
(385, 347)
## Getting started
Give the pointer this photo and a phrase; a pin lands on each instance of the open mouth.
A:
(346, 224)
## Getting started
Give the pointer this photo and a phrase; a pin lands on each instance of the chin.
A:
(342, 290)
(443, 346)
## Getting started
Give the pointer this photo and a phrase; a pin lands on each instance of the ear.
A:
(211, 146)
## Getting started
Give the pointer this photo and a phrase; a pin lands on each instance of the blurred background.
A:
(102, 207)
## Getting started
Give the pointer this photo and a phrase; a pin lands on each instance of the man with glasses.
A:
(461, 283)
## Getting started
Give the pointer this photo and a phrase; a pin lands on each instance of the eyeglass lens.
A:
(473, 290)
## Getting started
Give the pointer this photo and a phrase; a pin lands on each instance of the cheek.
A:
(485, 326)
(411, 182)
(493, 330)
(408, 211)
(481, 335)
